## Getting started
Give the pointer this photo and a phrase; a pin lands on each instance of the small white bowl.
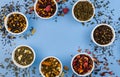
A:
(47, 58)
(44, 17)
(74, 7)
(21, 66)
(92, 36)
(86, 73)
(6, 19)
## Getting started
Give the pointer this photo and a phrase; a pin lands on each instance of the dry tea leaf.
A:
(66, 68)
(33, 31)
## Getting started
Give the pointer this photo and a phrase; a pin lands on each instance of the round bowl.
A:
(86, 73)
(44, 17)
(74, 7)
(92, 37)
(6, 19)
(18, 65)
(47, 58)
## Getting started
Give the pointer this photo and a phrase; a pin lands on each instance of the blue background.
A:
(61, 39)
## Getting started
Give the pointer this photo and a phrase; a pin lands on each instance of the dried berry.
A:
(65, 10)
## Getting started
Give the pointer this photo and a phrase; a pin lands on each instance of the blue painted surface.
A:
(62, 39)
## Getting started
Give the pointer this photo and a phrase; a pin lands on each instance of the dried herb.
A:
(103, 35)
(24, 55)
(82, 64)
(16, 23)
(46, 8)
(66, 68)
(51, 67)
(83, 10)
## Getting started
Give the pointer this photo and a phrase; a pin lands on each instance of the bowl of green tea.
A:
(103, 35)
(23, 56)
(16, 23)
(50, 67)
(82, 64)
(46, 9)
(83, 11)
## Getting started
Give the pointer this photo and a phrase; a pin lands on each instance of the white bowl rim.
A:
(44, 17)
(21, 66)
(113, 31)
(90, 17)
(86, 73)
(47, 58)
(5, 22)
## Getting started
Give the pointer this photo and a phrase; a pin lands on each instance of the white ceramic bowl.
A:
(18, 65)
(6, 19)
(47, 58)
(86, 73)
(74, 7)
(44, 17)
(92, 37)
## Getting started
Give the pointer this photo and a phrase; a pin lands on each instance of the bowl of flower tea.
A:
(82, 64)
(16, 23)
(103, 35)
(46, 9)
(83, 11)
(50, 67)
(23, 56)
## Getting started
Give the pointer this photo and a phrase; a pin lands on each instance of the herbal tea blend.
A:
(82, 64)
(103, 35)
(51, 67)
(23, 55)
(83, 10)
(46, 8)
(16, 23)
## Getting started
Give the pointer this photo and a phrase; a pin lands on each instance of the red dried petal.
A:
(48, 8)
(57, 0)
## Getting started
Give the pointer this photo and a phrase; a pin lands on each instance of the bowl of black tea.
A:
(16, 23)
(83, 11)
(23, 56)
(103, 35)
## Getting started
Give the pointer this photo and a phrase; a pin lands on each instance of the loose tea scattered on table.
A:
(82, 64)
(23, 55)
(16, 23)
(51, 67)
(83, 10)
(101, 6)
(103, 34)
(46, 8)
